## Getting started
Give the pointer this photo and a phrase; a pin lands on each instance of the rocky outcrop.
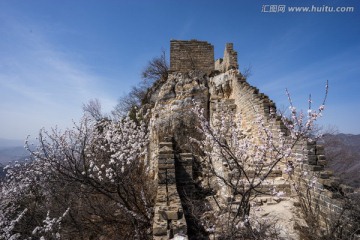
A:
(171, 115)
(227, 91)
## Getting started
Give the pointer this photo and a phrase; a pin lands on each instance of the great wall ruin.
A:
(217, 85)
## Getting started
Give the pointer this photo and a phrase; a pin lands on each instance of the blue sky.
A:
(57, 55)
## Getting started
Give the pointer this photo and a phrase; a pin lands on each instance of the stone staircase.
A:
(169, 218)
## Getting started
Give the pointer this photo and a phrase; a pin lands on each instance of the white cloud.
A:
(40, 85)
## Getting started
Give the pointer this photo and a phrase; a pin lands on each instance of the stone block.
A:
(160, 229)
(168, 144)
(162, 177)
(171, 214)
(165, 150)
(161, 199)
(321, 162)
(172, 188)
(314, 168)
(332, 182)
(166, 163)
(320, 150)
(179, 227)
(166, 156)
(326, 174)
(170, 172)
(312, 159)
(166, 166)
(185, 161)
(346, 189)
(186, 155)
(160, 237)
(170, 178)
(174, 199)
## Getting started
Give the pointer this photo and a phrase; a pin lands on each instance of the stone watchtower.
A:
(199, 55)
(191, 55)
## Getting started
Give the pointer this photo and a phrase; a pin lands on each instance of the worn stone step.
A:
(186, 155)
(268, 187)
(166, 149)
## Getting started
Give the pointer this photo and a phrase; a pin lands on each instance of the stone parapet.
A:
(230, 60)
(169, 218)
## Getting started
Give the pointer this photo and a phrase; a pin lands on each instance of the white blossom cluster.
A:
(99, 156)
(259, 153)
(122, 142)
(301, 124)
(241, 161)
(51, 227)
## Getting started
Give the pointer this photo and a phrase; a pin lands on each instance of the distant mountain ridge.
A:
(350, 140)
(343, 155)
(11, 154)
(12, 150)
(6, 143)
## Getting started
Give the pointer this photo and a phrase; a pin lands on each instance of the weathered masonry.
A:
(169, 217)
(191, 55)
(229, 61)
(199, 55)
(218, 86)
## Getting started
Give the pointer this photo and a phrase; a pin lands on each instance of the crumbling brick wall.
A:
(317, 186)
(230, 90)
(320, 190)
(191, 55)
(229, 61)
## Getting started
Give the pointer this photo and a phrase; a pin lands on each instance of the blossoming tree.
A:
(240, 165)
(88, 181)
